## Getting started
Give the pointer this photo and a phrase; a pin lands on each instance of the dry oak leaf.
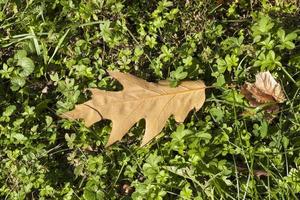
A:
(139, 99)
(264, 90)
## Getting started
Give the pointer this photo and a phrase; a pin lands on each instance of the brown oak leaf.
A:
(139, 99)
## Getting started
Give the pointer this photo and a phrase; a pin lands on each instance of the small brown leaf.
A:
(139, 99)
(260, 173)
(254, 95)
(264, 90)
(127, 189)
(256, 172)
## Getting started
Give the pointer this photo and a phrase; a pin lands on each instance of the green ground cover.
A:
(51, 51)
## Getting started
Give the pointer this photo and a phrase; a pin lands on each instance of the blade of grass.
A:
(58, 45)
(35, 42)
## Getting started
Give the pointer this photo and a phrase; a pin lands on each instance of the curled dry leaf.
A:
(260, 173)
(256, 172)
(139, 100)
(264, 90)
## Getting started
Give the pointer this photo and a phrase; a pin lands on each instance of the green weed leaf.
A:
(27, 66)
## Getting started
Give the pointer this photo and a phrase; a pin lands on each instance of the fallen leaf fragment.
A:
(257, 172)
(139, 100)
(260, 173)
(126, 189)
(264, 90)
(268, 85)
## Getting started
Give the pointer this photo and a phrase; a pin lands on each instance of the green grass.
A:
(51, 51)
